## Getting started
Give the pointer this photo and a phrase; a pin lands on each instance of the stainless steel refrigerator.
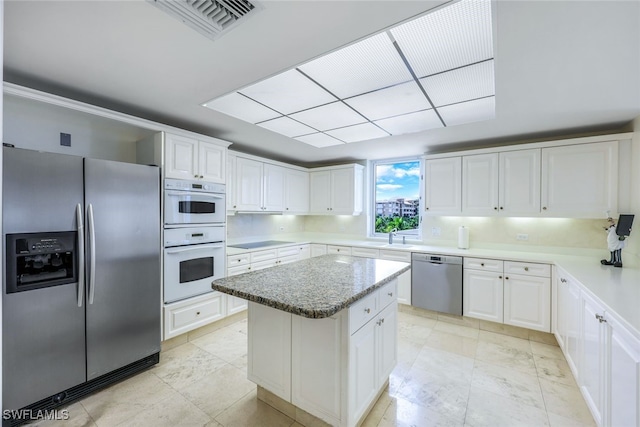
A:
(81, 290)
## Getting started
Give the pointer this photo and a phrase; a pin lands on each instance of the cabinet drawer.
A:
(388, 293)
(288, 251)
(260, 256)
(187, 315)
(240, 259)
(255, 266)
(396, 255)
(365, 252)
(483, 264)
(363, 311)
(289, 259)
(527, 268)
(238, 269)
(342, 250)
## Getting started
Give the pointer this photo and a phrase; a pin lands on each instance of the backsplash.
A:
(246, 226)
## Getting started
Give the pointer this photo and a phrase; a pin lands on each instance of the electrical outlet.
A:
(281, 228)
(436, 231)
(522, 237)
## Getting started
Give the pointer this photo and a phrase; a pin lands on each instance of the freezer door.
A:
(122, 203)
(43, 335)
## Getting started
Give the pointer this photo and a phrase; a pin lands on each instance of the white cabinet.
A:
(188, 158)
(337, 190)
(624, 387)
(304, 251)
(404, 280)
(568, 317)
(501, 183)
(259, 186)
(443, 185)
(231, 183)
(580, 180)
(318, 250)
(592, 362)
(338, 250)
(185, 316)
(296, 191)
(237, 264)
(513, 293)
(365, 252)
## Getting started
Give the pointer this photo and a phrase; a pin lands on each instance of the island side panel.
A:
(269, 349)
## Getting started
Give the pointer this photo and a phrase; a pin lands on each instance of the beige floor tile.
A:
(543, 337)
(249, 411)
(173, 411)
(459, 320)
(186, 364)
(442, 364)
(508, 383)
(227, 343)
(427, 322)
(551, 351)
(126, 399)
(73, 415)
(404, 413)
(554, 369)
(507, 357)
(505, 340)
(377, 412)
(501, 328)
(488, 409)
(407, 352)
(566, 401)
(463, 331)
(413, 333)
(556, 420)
(218, 391)
(452, 343)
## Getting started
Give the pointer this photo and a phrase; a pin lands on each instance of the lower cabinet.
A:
(337, 365)
(318, 249)
(184, 316)
(603, 355)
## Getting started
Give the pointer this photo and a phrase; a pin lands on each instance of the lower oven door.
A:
(189, 270)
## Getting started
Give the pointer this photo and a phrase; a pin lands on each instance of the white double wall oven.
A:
(194, 237)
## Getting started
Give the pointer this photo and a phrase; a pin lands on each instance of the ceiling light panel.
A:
(408, 123)
(392, 101)
(319, 140)
(467, 112)
(356, 133)
(370, 64)
(329, 116)
(287, 127)
(447, 38)
(288, 92)
(240, 106)
(462, 84)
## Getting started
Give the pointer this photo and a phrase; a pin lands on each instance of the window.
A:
(396, 197)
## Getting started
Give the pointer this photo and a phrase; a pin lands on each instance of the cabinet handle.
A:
(499, 277)
(495, 208)
(390, 294)
(426, 209)
(195, 176)
(482, 264)
(287, 208)
(234, 206)
(501, 208)
(601, 318)
(367, 310)
(201, 176)
(248, 268)
(544, 208)
(198, 313)
(563, 280)
(506, 277)
(526, 269)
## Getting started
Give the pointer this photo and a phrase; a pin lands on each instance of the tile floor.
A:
(447, 375)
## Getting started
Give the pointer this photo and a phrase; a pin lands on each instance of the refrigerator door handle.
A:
(92, 254)
(81, 258)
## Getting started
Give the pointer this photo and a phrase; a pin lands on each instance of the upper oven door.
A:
(186, 207)
(189, 270)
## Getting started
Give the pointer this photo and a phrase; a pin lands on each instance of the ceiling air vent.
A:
(211, 18)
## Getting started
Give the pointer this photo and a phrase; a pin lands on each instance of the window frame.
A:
(371, 226)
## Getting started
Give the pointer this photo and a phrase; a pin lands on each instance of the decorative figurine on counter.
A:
(616, 238)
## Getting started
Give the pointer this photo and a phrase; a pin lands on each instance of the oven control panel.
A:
(196, 186)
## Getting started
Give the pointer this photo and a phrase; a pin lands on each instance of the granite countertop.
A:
(315, 288)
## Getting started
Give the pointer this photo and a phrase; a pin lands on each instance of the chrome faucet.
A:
(391, 234)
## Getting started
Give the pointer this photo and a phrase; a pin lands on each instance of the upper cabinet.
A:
(259, 186)
(188, 158)
(296, 191)
(443, 185)
(501, 183)
(580, 180)
(337, 190)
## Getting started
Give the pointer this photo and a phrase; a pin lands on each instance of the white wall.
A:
(633, 243)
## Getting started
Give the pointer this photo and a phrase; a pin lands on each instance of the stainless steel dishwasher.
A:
(436, 282)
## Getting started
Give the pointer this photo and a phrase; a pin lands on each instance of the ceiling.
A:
(561, 67)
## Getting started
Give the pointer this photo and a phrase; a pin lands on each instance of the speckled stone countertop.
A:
(316, 287)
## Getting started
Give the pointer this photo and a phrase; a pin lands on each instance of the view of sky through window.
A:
(397, 197)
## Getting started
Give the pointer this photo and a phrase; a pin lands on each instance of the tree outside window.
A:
(397, 197)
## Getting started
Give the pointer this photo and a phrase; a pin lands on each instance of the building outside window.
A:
(396, 197)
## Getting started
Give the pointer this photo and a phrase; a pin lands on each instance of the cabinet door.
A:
(320, 192)
(482, 295)
(387, 329)
(592, 362)
(180, 157)
(527, 302)
(296, 191)
(561, 295)
(231, 183)
(273, 188)
(519, 189)
(362, 370)
(338, 250)
(573, 316)
(443, 185)
(304, 252)
(248, 185)
(480, 184)
(235, 305)
(624, 398)
(404, 288)
(580, 180)
(342, 195)
(211, 162)
(318, 250)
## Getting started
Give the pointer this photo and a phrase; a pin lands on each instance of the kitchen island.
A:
(322, 334)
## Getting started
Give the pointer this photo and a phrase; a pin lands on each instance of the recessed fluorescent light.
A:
(319, 140)
(392, 101)
(329, 116)
(356, 133)
(240, 106)
(470, 111)
(408, 123)
(462, 84)
(286, 126)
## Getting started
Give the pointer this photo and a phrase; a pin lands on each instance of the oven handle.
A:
(81, 259)
(192, 249)
(184, 193)
(92, 252)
